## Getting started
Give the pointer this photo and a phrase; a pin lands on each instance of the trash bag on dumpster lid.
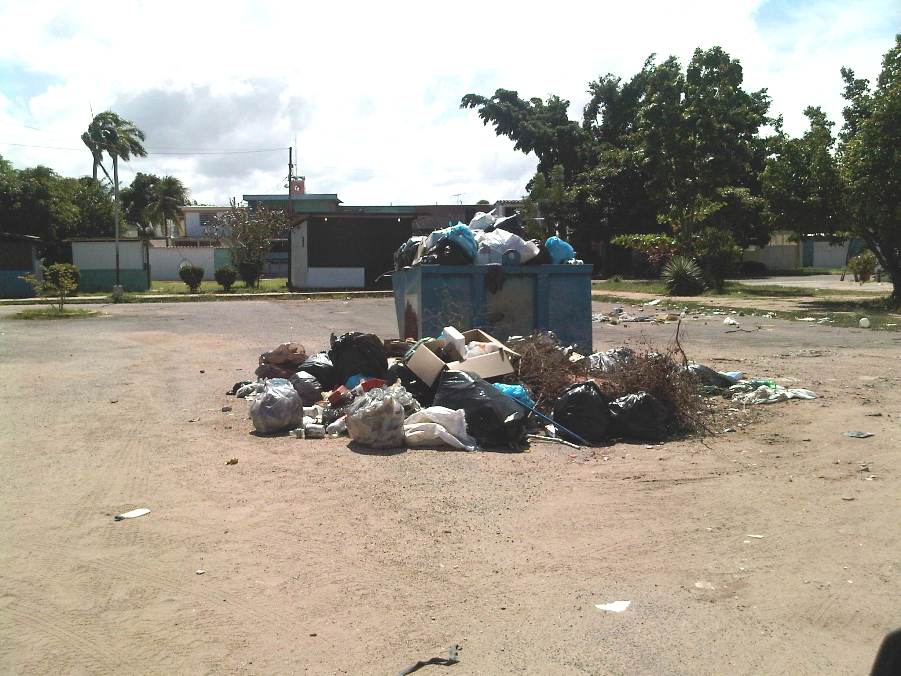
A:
(306, 385)
(420, 391)
(559, 250)
(438, 426)
(491, 417)
(277, 408)
(639, 416)
(320, 367)
(406, 253)
(358, 353)
(377, 422)
(493, 245)
(583, 409)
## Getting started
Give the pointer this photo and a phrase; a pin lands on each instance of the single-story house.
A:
(18, 257)
(96, 261)
(786, 251)
(335, 246)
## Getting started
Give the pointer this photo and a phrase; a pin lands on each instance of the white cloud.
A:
(371, 90)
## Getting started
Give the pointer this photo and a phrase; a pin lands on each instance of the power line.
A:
(151, 151)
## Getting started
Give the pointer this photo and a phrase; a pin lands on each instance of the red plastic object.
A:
(371, 383)
(340, 396)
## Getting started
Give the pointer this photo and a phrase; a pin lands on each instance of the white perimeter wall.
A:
(102, 255)
(826, 255)
(164, 261)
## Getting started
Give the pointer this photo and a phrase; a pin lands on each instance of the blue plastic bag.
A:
(518, 392)
(559, 250)
(460, 235)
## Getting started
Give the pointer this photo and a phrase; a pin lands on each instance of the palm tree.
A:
(169, 194)
(114, 135)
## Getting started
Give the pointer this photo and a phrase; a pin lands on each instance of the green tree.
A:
(801, 182)
(137, 199)
(169, 193)
(870, 156)
(114, 135)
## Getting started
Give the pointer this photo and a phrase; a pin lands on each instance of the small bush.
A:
(250, 273)
(225, 277)
(683, 277)
(752, 269)
(863, 266)
(57, 282)
(192, 275)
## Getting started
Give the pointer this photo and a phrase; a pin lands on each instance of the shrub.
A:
(863, 266)
(683, 277)
(191, 274)
(225, 277)
(752, 269)
(250, 273)
(57, 282)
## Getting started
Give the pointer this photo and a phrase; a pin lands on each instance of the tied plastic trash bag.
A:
(286, 354)
(605, 362)
(510, 224)
(639, 416)
(518, 392)
(707, 376)
(582, 408)
(320, 367)
(307, 387)
(459, 234)
(376, 419)
(277, 408)
(483, 220)
(559, 250)
(438, 426)
(491, 417)
(405, 255)
(358, 353)
(494, 244)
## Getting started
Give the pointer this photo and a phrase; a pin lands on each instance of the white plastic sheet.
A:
(438, 426)
(482, 220)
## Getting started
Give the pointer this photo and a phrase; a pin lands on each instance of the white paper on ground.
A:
(613, 607)
(141, 511)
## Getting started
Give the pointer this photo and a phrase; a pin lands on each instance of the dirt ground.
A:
(322, 560)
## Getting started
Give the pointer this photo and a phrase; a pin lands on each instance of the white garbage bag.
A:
(277, 408)
(438, 426)
(492, 246)
(483, 220)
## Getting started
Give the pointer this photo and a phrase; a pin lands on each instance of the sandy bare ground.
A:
(322, 560)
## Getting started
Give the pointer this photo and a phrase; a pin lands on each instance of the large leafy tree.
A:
(137, 199)
(249, 233)
(169, 194)
(665, 150)
(870, 155)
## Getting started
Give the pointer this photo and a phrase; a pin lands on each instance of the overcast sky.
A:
(372, 90)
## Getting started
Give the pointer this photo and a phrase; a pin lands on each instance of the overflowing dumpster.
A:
(502, 300)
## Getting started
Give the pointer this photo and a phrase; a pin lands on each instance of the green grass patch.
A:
(268, 285)
(841, 313)
(53, 313)
(732, 289)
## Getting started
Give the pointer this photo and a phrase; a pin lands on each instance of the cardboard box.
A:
(426, 364)
(487, 365)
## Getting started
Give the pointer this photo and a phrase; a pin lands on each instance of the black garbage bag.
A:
(446, 252)
(307, 387)
(412, 384)
(583, 409)
(405, 254)
(358, 353)
(543, 257)
(639, 416)
(321, 368)
(707, 376)
(494, 419)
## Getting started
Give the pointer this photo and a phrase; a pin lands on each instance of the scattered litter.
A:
(613, 607)
(651, 303)
(226, 409)
(133, 514)
(874, 415)
(756, 537)
(231, 461)
(847, 498)
(703, 584)
(806, 319)
(199, 571)
(453, 656)
(864, 323)
(856, 434)
(767, 394)
(729, 321)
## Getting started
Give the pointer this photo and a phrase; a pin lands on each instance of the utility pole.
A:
(116, 211)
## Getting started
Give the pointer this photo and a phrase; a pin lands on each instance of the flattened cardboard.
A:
(486, 365)
(426, 365)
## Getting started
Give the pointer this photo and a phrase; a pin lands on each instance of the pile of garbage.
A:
(486, 240)
(467, 390)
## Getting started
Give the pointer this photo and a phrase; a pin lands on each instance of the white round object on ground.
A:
(864, 323)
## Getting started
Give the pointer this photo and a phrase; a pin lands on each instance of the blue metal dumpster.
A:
(509, 300)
